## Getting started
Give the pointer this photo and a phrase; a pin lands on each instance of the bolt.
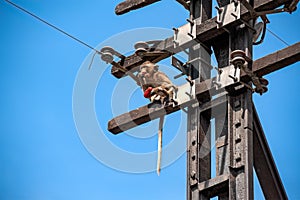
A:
(190, 21)
(193, 175)
(191, 35)
(190, 81)
(219, 9)
(218, 22)
(233, 78)
(220, 71)
(234, 15)
(238, 124)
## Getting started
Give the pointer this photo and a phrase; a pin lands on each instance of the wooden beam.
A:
(215, 185)
(277, 60)
(204, 90)
(206, 32)
(129, 5)
(138, 116)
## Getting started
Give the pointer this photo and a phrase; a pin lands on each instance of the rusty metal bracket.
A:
(148, 49)
(185, 93)
(228, 76)
(185, 33)
(107, 55)
(228, 14)
(183, 67)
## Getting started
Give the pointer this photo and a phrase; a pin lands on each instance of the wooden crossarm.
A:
(262, 66)
(277, 60)
(129, 5)
(205, 33)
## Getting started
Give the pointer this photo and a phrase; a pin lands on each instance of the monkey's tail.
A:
(159, 144)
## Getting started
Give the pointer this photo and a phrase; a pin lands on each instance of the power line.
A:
(53, 26)
(275, 35)
(84, 43)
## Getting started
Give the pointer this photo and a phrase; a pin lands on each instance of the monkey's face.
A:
(147, 70)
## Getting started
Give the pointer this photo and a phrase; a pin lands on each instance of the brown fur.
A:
(150, 76)
(163, 88)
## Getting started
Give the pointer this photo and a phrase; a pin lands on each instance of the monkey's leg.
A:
(159, 144)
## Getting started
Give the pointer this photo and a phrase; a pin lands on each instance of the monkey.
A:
(156, 86)
(158, 82)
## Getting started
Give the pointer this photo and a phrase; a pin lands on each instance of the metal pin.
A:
(190, 21)
(190, 81)
(191, 35)
(218, 22)
(220, 71)
(234, 15)
(219, 9)
(234, 78)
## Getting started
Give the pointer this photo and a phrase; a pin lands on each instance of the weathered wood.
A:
(214, 186)
(264, 164)
(130, 5)
(277, 60)
(203, 90)
(137, 61)
(206, 32)
(138, 116)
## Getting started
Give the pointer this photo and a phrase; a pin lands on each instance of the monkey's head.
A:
(147, 69)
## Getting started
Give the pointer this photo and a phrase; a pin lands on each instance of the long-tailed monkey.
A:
(158, 88)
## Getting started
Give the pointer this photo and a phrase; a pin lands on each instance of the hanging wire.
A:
(287, 44)
(91, 63)
(53, 26)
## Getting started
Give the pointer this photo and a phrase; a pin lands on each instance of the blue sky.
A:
(42, 154)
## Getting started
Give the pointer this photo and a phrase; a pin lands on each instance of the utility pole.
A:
(240, 142)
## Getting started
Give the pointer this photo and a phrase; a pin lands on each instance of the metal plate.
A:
(184, 34)
(228, 14)
(185, 93)
(228, 76)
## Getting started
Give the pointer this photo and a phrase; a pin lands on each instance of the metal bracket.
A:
(228, 14)
(185, 93)
(228, 76)
(147, 49)
(185, 33)
(107, 55)
(180, 66)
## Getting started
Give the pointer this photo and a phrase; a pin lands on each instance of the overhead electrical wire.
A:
(53, 26)
(276, 36)
(84, 43)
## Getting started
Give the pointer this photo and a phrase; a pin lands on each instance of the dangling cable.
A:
(91, 63)
(262, 36)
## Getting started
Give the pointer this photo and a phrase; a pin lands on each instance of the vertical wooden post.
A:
(240, 126)
(234, 153)
(198, 155)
